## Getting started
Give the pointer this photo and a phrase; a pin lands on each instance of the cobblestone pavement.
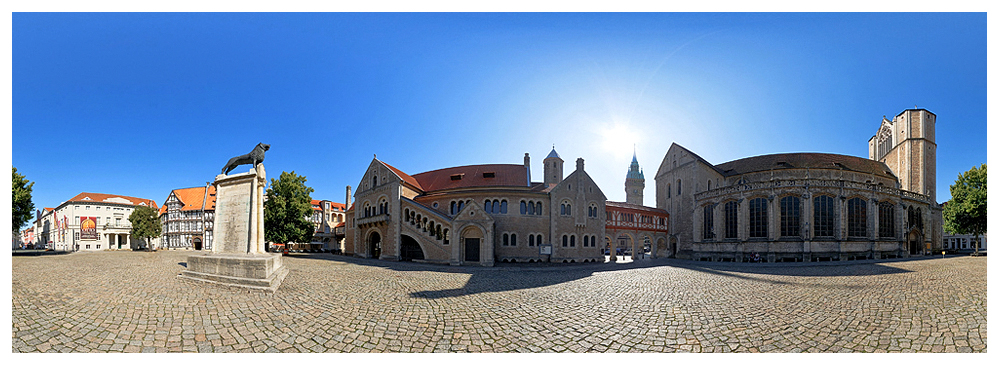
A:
(134, 302)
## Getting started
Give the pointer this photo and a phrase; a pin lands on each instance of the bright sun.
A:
(619, 139)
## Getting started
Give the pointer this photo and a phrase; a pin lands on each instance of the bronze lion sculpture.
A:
(256, 156)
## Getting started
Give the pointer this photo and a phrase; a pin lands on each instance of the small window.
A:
(456, 176)
(489, 175)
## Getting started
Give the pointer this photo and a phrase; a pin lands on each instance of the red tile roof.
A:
(194, 199)
(333, 205)
(504, 175)
(405, 177)
(613, 204)
(101, 197)
(804, 160)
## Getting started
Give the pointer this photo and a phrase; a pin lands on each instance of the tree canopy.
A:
(21, 204)
(966, 212)
(287, 209)
(145, 223)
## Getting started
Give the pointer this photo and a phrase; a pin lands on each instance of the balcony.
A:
(372, 220)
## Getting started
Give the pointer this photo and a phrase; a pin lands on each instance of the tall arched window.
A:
(524, 208)
(758, 218)
(446, 237)
(503, 206)
(513, 240)
(531, 240)
(506, 239)
(565, 241)
(488, 206)
(668, 190)
(708, 229)
(678, 187)
(886, 220)
(538, 208)
(857, 217)
(452, 211)
(823, 216)
(790, 216)
(731, 220)
(572, 240)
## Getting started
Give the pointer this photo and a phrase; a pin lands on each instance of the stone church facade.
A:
(808, 206)
(477, 214)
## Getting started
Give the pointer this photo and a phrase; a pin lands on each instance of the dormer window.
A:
(457, 176)
(489, 175)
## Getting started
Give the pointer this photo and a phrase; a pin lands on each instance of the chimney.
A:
(579, 164)
(347, 200)
(527, 168)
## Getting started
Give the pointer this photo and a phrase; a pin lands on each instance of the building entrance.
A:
(375, 245)
(472, 249)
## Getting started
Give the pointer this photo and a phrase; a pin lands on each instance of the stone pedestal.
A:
(238, 257)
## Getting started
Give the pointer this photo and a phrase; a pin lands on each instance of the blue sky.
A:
(139, 104)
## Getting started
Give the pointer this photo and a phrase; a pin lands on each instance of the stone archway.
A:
(374, 244)
(409, 249)
(197, 243)
(914, 243)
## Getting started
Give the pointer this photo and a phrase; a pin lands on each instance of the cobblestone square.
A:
(133, 302)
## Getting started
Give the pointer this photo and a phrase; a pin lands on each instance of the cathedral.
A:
(808, 206)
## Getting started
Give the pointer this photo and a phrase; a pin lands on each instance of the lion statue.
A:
(256, 156)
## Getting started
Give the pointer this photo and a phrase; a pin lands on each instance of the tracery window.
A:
(731, 220)
(758, 217)
(823, 216)
(790, 213)
(857, 217)
(886, 220)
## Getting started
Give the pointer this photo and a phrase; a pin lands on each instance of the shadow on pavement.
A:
(507, 276)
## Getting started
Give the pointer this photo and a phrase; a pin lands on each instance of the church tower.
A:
(906, 145)
(553, 167)
(635, 182)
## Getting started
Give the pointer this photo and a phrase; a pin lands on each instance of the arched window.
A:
(531, 208)
(488, 206)
(506, 239)
(708, 222)
(438, 232)
(572, 240)
(452, 207)
(374, 181)
(503, 206)
(758, 218)
(709, 185)
(562, 209)
(565, 241)
(538, 239)
(513, 240)
(460, 206)
(586, 241)
(496, 206)
(886, 220)
(446, 238)
(524, 208)
(731, 220)
(857, 217)
(823, 216)
(531, 240)
(668, 190)
(678, 187)
(790, 216)
(538, 208)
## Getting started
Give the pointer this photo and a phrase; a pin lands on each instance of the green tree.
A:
(145, 224)
(966, 212)
(287, 209)
(21, 201)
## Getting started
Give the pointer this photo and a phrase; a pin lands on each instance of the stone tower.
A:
(553, 168)
(635, 182)
(906, 144)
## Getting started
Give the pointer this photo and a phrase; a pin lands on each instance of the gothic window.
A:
(708, 231)
(731, 220)
(758, 218)
(790, 216)
(857, 217)
(823, 216)
(886, 220)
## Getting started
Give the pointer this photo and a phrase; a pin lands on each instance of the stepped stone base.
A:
(252, 271)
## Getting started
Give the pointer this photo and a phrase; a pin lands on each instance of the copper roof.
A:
(804, 160)
(101, 197)
(503, 175)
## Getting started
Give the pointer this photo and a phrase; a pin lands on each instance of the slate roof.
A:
(804, 160)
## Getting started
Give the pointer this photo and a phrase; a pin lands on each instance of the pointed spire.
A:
(553, 153)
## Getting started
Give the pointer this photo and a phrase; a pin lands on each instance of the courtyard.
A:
(133, 302)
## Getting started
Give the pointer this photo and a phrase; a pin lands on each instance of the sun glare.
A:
(619, 140)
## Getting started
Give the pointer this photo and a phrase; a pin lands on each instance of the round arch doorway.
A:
(197, 243)
(375, 245)
(409, 249)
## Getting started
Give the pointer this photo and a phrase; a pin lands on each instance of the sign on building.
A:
(88, 228)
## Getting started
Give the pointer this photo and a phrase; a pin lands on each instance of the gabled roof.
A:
(318, 205)
(87, 197)
(405, 177)
(503, 175)
(193, 199)
(804, 160)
